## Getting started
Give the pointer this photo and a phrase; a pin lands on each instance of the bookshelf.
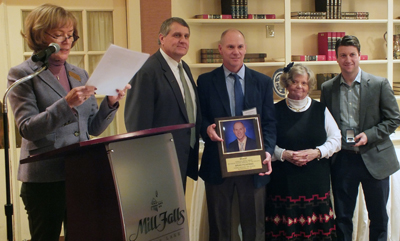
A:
(295, 36)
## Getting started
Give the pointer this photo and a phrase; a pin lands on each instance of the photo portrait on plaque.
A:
(242, 151)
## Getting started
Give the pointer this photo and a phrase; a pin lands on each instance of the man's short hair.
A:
(166, 26)
(347, 40)
(230, 30)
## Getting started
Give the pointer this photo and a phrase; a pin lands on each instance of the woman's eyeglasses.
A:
(62, 38)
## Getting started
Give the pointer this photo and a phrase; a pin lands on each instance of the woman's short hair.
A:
(298, 69)
(44, 18)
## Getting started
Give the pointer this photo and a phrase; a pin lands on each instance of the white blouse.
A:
(333, 141)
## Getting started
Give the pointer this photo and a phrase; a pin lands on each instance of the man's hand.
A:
(212, 133)
(361, 139)
(267, 162)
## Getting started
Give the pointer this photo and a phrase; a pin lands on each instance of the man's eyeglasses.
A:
(62, 38)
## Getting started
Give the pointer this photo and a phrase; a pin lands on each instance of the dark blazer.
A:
(251, 144)
(214, 103)
(155, 100)
(46, 122)
(379, 117)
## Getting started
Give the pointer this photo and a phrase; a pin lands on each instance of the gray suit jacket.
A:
(379, 117)
(46, 122)
(155, 100)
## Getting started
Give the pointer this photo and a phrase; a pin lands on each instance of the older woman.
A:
(52, 110)
(298, 196)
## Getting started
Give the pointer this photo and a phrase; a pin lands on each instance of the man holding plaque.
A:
(225, 92)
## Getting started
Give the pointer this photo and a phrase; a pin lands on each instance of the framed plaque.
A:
(242, 151)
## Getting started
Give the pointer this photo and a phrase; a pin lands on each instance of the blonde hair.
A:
(286, 79)
(44, 18)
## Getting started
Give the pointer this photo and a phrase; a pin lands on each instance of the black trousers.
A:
(251, 208)
(45, 205)
(348, 171)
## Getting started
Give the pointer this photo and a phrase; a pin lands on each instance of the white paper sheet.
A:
(116, 69)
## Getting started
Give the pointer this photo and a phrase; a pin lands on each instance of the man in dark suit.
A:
(365, 104)
(218, 99)
(163, 93)
(242, 141)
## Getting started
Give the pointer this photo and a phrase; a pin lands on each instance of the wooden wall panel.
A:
(152, 14)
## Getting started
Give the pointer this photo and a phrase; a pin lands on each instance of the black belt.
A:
(351, 152)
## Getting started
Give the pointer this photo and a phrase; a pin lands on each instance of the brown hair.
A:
(44, 18)
(347, 40)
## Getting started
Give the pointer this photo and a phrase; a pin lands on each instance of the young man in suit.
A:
(365, 108)
(217, 99)
(242, 141)
(164, 93)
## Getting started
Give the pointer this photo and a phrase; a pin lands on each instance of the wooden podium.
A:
(124, 187)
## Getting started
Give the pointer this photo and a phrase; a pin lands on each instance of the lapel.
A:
(48, 78)
(75, 79)
(335, 93)
(365, 94)
(172, 82)
(220, 86)
(250, 87)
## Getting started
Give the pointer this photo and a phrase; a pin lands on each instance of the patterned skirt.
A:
(298, 203)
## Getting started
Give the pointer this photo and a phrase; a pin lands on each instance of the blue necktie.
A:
(238, 96)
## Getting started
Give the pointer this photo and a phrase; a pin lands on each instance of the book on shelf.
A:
(333, 8)
(322, 77)
(363, 57)
(355, 15)
(308, 15)
(333, 44)
(226, 7)
(327, 43)
(315, 94)
(321, 5)
(396, 88)
(247, 55)
(236, 8)
(245, 9)
(308, 58)
(220, 60)
(213, 56)
(209, 51)
(261, 16)
(213, 16)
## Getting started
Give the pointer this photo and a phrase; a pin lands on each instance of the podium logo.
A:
(159, 223)
(155, 205)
